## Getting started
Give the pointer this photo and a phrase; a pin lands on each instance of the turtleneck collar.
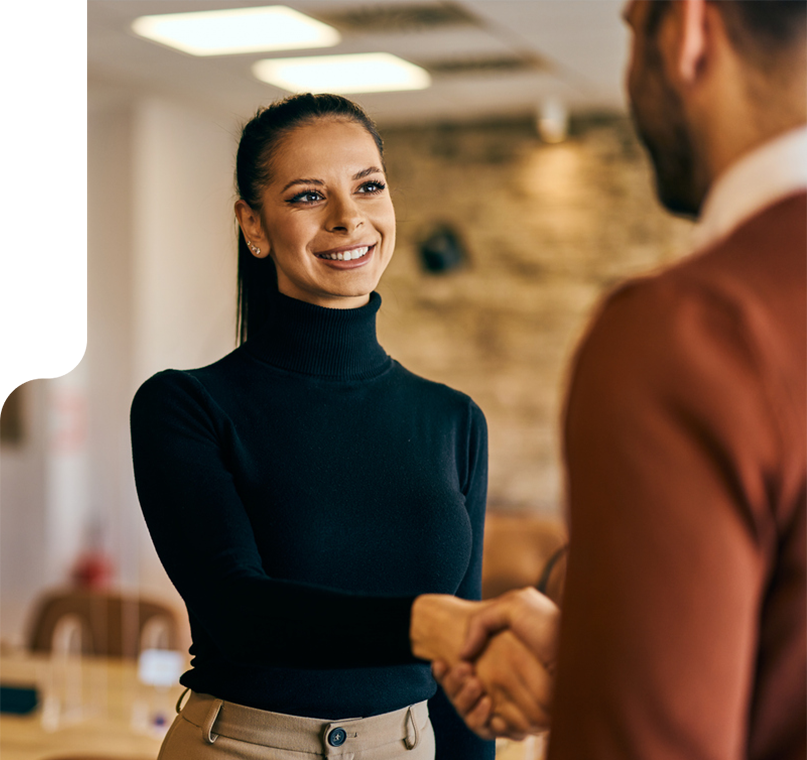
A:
(314, 340)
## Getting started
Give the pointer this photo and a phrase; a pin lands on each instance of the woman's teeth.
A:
(356, 253)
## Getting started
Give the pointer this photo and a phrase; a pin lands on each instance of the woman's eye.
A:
(372, 187)
(309, 196)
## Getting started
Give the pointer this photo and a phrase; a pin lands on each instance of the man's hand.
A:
(506, 692)
(467, 693)
(502, 685)
(531, 616)
(518, 684)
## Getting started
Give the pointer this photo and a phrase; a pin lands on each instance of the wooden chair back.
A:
(102, 623)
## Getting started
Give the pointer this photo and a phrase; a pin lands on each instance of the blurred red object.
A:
(92, 570)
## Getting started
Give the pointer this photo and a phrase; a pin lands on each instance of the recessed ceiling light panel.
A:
(236, 30)
(363, 72)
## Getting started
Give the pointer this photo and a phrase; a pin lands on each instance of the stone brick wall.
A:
(548, 230)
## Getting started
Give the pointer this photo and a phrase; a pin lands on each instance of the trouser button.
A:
(337, 737)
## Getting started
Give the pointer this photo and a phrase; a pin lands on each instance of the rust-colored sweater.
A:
(683, 631)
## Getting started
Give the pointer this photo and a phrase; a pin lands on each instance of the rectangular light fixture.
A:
(342, 74)
(236, 30)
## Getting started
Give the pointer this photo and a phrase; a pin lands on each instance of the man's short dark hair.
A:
(654, 16)
(765, 30)
(761, 29)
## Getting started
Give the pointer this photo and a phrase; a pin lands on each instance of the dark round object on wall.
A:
(442, 251)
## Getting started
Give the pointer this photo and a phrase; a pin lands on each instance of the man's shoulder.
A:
(771, 244)
(761, 266)
(735, 310)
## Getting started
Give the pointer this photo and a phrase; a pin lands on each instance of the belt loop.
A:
(207, 727)
(181, 697)
(412, 731)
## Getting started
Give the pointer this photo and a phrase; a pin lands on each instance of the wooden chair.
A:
(518, 549)
(103, 623)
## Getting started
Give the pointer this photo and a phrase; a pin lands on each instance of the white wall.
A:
(111, 329)
(67, 474)
(184, 273)
(22, 514)
(183, 248)
(161, 293)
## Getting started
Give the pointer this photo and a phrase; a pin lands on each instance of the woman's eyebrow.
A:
(359, 175)
(367, 172)
(303, 182)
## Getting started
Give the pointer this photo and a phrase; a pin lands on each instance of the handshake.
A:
(494, 659)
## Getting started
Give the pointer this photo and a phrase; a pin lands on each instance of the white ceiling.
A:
(578, 49)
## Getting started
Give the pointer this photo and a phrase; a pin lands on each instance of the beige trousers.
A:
(212, 729)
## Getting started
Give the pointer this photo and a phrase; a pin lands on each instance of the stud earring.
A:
(255, 250)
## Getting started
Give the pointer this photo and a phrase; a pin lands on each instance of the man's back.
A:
(687, 449)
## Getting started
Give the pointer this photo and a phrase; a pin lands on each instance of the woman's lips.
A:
(348, 257)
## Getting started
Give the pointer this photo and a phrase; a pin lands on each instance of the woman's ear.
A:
(250, 222)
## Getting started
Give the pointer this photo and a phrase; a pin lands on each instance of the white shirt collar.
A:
(776, 169)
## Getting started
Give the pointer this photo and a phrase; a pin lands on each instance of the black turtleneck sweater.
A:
(300, 493)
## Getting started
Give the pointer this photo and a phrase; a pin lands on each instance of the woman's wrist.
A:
(438, 625)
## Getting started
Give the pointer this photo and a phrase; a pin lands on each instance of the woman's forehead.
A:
(326, 146)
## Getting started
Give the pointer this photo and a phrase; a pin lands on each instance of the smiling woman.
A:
(326, 219)
(281, 200)
(305, 489)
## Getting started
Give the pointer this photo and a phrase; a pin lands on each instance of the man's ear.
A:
(684, 39)
(692, 52)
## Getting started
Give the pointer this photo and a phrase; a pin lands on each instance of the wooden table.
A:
(96, 706)
(92, 706)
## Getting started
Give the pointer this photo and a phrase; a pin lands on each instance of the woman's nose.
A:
(344, 216)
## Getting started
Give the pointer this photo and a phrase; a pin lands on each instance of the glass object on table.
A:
(158, 671)
(70, 695)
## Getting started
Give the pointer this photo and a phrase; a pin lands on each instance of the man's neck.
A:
(743, 114)
(774, 170)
